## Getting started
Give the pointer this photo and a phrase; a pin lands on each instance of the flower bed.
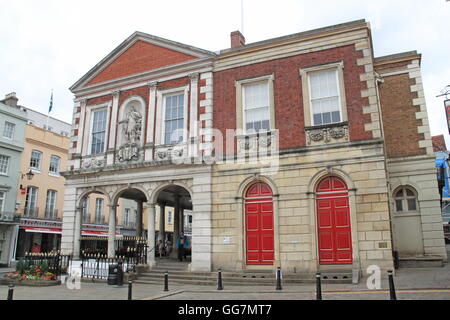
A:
(31, 274)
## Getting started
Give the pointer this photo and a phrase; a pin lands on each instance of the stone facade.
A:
(216, 159)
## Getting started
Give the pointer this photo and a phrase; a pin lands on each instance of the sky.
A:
(48, 45)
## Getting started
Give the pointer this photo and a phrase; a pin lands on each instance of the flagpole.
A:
(49, 109)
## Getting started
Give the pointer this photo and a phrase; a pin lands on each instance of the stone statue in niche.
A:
(132, 127)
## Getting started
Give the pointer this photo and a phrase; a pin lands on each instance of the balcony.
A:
(51, 214)
(31, 212)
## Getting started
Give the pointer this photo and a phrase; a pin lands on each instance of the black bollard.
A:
(318, 287)
(120, 274)
(130, 289)
(279, 279)
(166, 281)
(219, 280)
(10, 291)
(392, 294)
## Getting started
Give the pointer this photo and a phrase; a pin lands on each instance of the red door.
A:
(259, 225)
(333, 219)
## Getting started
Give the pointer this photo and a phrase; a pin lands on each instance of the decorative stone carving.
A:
(326, 134)
(131, 131)
(93, 163)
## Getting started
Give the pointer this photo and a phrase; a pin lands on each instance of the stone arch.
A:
(116, 195)
(155, 192)
(240, 210)
(256, 178)
(89, 191)
(316, 178)
(311, 193)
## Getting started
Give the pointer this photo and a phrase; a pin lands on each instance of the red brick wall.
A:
(140, 57)
(289, 116)
(399, 120)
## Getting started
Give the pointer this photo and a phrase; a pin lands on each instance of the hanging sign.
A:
(447, 112)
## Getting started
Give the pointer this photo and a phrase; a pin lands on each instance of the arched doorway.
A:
(259, 225)
(333, 222)
(173, 216)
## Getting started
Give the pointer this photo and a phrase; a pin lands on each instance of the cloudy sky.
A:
(50, 44)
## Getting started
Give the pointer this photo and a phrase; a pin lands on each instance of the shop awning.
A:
(93, 233)
(41, 230)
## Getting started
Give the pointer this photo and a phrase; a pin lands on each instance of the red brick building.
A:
(303, 151)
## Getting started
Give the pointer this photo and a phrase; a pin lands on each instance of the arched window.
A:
(405, 200)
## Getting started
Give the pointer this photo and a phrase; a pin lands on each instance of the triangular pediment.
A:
(138, 54)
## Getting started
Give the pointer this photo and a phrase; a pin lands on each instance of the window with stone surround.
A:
(324, 103)
(323, 94)
(173, 118)
(405, 200)
(255, 105)
(98, 131)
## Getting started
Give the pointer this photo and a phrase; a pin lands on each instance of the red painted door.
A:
(259, 225)
(333, 220)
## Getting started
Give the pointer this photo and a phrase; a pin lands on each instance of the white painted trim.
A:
(161, 110)
(90, 110)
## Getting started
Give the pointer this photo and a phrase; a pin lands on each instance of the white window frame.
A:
(161, 112)
(53, 205)
(244, 119)
(54, 173)
(91, 133)
(2, 199)
(27, 207)
(306, 91)
(86, 145)
(38, 168)
(97, 208)
(12, 131)
(85, 209)
(240, 111)
(404, 199)
(5, 173)
(163, 133)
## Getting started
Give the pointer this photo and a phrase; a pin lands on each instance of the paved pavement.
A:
(410, 283)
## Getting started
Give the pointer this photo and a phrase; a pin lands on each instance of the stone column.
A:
(151, 235)
(162, 222)
(112, 231)
(77, 234)
(140, 210)
(176, 226)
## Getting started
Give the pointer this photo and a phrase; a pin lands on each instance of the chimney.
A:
(10, 100)
(237, 39)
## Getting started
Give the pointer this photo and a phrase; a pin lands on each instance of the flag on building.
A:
(51, 103)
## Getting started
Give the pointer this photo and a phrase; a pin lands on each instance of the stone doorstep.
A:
(421, 262)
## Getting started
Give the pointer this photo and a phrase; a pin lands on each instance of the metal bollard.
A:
(318, 287)
(130, 289)
(166, 281)
(10, 292)
(219, 280)
(392, 294)
(279, 279)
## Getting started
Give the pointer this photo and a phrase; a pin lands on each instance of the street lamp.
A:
(29, 174)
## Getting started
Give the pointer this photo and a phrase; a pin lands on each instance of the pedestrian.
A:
(182, 243)
(36, 248)
(161, 248)
(168, 247)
